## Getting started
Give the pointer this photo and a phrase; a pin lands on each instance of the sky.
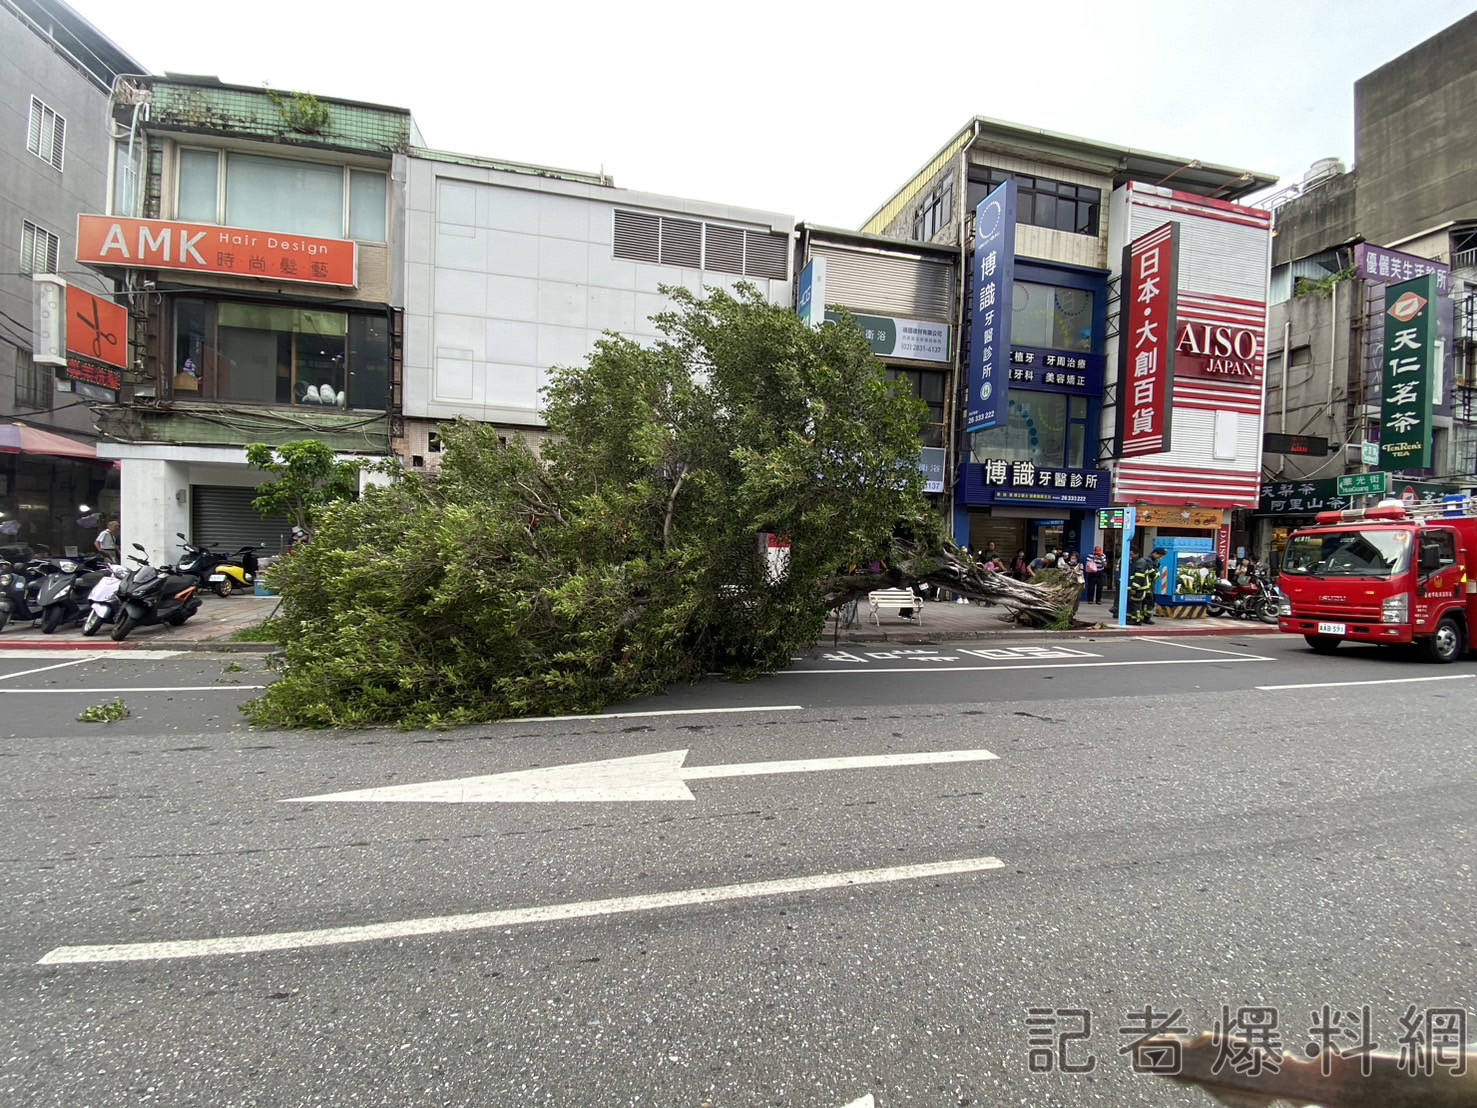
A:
(818, 111)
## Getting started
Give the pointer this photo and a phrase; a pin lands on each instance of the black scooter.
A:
(225, 573)
(154, 594)
(64, 589)
(20, 589)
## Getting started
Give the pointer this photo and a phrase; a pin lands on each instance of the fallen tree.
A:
(625, 556)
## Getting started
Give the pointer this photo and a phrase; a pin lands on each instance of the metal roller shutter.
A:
(221, 516)
(871, 281)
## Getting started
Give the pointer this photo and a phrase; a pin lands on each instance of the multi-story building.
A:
(511, 270)
(1343, 237)
(256, 235)
(55, 76)
(1050, 453)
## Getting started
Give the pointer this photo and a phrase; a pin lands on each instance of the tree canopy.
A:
(626, 555)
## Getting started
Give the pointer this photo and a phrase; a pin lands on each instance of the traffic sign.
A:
(1363, 484)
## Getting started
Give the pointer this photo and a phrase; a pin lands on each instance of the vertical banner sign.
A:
(989, 317)
(810, 299)
(1147, 325)
(1410, 346)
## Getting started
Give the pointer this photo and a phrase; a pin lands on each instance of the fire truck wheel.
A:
(1322, 645)
(1446, 644)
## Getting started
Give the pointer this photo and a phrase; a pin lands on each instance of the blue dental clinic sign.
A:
(990, 307)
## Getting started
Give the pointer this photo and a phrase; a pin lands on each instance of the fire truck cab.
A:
(1390, 575)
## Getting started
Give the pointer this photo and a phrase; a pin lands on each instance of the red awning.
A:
(17, 438)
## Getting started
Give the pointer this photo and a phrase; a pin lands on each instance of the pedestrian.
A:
(1092, 571)
(1141, 577)
(1079, 574)
(1020, 569)
(106, 543)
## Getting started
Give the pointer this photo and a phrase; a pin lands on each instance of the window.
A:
(1043, 202)
(46, 134)
(935, 211)
(278, 194)
(648, 237)
(1045, 428)
(39, 249)
(278, 354)
(928, 386)
(32, 382)
(1051, 316)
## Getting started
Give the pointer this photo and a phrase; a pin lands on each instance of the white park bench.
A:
(900, 598)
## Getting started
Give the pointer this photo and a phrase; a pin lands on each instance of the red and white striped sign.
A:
(1147, 342)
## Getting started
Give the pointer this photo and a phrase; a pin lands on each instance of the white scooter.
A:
(103, 600)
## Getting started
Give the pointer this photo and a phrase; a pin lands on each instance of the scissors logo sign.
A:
(97, 329)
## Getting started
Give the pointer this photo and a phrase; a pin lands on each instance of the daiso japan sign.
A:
(104, 240)
(1216, 350)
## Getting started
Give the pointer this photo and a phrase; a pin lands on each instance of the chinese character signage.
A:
(104, 240)
(1381, 266)
(1146, 338)
(1303, 498)
(1048, 369)
(931, 464)
(999, 481)
(1362, 484)
(1405, 409)
(990, 309)
(916, 339)
(810, 296)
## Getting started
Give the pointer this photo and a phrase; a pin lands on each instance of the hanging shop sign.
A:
(993, 286)
(1405, 406)
(83, 335)
(1303, 498)
(1381, 266)
(1035, 368)
(810, 293)
(1000, 481)
(1310, 446)
(1146, 342)
(916, 339)
(931, 462)
(1204, 519)
(104, 240)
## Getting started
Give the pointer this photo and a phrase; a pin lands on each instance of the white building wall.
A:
(509, 274)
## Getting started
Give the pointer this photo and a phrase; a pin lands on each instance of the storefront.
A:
(55, 494)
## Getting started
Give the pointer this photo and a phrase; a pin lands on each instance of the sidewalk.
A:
(210, 628)
(944, 620)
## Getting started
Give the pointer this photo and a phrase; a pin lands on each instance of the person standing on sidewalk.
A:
(1092, 571)
(106, 543)
(1141, 576)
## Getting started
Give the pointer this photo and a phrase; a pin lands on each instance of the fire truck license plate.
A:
(1332, 629)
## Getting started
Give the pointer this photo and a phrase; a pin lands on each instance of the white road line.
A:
(1207, 649)
(137, 688)
(667, 712)
(46, 669)
(863, 671)
(481, 921)
(1356, 684)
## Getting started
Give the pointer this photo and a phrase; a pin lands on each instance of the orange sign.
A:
(202, 248)
(97, 329)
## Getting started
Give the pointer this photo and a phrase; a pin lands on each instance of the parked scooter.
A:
(64, 589)
(154, 594)
(20, 590)
(103, 602)
(1257, 599)
(225, 573)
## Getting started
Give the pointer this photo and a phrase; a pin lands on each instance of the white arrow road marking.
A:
(1355, 684)
(864, 1102)
(44, 669)
(643, 777)
(138, 688)
(481, 921)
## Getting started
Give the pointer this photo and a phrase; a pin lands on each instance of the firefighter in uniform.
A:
(1141, 576)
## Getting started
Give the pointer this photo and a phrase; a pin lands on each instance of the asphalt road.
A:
(1181, 824)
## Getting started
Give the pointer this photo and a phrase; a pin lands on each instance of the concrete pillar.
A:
(155, 505)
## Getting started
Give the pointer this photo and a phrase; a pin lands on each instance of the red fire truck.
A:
(1390, 575)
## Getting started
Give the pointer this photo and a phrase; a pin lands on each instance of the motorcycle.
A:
(153, 594)
(20, 588)
(65, 587)
(102, 601)
(225, 573)
(1257, 599)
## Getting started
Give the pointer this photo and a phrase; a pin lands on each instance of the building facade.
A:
(1408, 207)
(511, 270)
(256, 236)
(1036, 475)
(56, 71)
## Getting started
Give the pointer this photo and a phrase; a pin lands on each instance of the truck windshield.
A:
(1371, 553)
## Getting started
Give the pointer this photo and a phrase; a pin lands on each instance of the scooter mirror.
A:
(139, 546)
(181, 535)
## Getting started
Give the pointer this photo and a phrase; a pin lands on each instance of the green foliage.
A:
(301, 111)
(104, 713)
(625, 558)
(308, 477)
(268, 630)
(1322, 287)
